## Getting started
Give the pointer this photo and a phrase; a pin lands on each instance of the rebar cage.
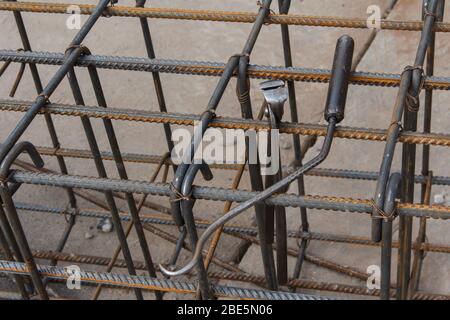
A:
(166, 207)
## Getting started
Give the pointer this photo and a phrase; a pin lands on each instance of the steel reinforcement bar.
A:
(214, 69)
(220, 16)
(229, 229)
(220, 194)
(234, 276)
(437, 139)
(153, 284)
(155, 159)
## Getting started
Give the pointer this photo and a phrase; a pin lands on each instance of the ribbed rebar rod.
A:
(215, 69)
(284, 6)
(235, 276)
(156, 77)
(409, 152)
(155, 159)
(153, 284)
(229, 229)
(224, 16)
(438, 139)
(221, 194)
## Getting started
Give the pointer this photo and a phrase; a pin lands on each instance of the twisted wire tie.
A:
(210, 111)
(66, 212)
(179, 195)
(396, 123)
(267, 7)
(105, 13)
(429, 13)
(382, 215)
(46, 97)
(244, 97)
(299, 240)
(55, 150)
(83, 48)
(239, 55)
(413, 102)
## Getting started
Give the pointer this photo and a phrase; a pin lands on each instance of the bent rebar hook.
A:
(334, 113)
(18, 233)
(19, 148)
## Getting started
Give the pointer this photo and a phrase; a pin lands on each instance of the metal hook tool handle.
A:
(334, 110)
(337, 90)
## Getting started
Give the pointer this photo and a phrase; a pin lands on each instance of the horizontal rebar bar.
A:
(229, 229)
(224, 16)
(369, 175)
(234, 276)
(153, 284)
(438, 139)
(214, 69)
(155, 159)
(221, 194)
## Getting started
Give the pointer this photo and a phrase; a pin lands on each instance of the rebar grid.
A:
(394, 196)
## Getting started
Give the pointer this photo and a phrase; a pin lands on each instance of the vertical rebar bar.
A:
(284, 6)
(409, 150)
(95, 79)
(256, 181)
(392, 192)
(156, 78)
(101, 171)
(22, 242)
